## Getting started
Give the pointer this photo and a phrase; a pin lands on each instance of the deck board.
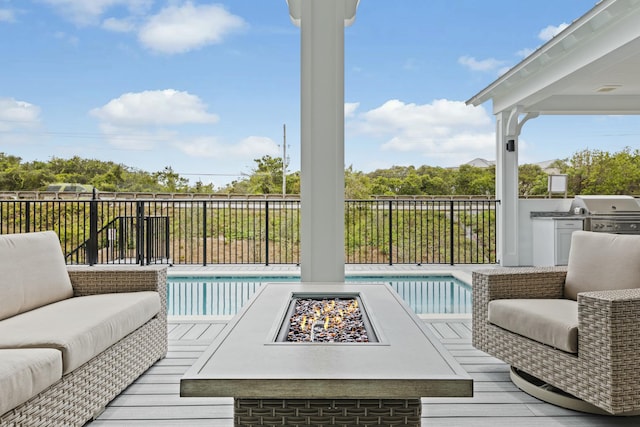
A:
(153, 400)
(196, 331)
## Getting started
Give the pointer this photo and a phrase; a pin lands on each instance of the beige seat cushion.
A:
(552, 322)
(602, 261)
(26, 372)
(80, 327)
(33, 272)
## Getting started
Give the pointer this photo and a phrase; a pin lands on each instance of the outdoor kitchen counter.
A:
(555, 214)
(552, 237)
(246, 362)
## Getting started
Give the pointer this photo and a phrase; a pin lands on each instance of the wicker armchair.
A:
(605, 369)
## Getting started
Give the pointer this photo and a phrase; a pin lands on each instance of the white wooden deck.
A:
(154, 399)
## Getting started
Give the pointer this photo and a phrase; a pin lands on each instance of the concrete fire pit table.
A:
(300, 383)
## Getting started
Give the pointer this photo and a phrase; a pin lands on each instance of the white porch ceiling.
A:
(592, 67)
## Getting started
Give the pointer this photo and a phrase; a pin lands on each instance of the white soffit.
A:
(591, 67)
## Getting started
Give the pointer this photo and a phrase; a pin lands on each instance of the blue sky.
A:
(205, 86)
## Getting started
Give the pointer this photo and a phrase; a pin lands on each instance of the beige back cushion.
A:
(32, 272)
(602, 261)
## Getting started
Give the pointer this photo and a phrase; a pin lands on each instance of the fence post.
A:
(92, 244)
(27, 216)
(451, 234)
(390, 232)
(148, 237)
(204, 233)
(140, 232)
(166, 239)
(266, 218)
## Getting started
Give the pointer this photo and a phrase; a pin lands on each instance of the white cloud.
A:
(500, 67)
(139, 121)
(523, 53)
(484, 65)
(551, 31)
(17, 114)
(450, 131)
(247, 149)
(86, 12)
(441, 113)
(17, 121)
(255, 147)
(119, 25)
(136, 139)
(7, 15)
(178, 29)
(350, 108)
(154, 108)
(71, 39)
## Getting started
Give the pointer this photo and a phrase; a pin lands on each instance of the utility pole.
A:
(284, 159)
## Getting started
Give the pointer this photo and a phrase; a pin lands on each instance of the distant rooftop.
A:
(484, 163)
(481, 163)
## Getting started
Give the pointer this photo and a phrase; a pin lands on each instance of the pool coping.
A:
(462, 273)
(463, 276)
(226, 318)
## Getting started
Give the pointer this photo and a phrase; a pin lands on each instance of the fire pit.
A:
(313, 318)
(326, 376)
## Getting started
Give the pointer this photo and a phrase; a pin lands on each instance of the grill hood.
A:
(605, 205)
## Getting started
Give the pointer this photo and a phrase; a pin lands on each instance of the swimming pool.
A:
(225, 295)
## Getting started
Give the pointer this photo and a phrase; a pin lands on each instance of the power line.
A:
(213, 174)
(225, 174)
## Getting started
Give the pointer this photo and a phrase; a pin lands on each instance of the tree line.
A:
(588, 172)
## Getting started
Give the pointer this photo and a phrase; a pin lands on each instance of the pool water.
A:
(225, 296)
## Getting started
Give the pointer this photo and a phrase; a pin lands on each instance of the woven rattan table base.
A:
(327, 412)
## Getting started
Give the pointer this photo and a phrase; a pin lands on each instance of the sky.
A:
(205, 87)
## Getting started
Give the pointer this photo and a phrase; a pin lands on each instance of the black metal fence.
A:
(256, 231)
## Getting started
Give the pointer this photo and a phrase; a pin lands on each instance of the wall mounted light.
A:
(511, 145)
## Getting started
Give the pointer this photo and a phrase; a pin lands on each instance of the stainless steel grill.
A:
(608, 214)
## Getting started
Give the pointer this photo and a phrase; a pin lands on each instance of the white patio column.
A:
(322, 23)
(507, 188)
(508, 128)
